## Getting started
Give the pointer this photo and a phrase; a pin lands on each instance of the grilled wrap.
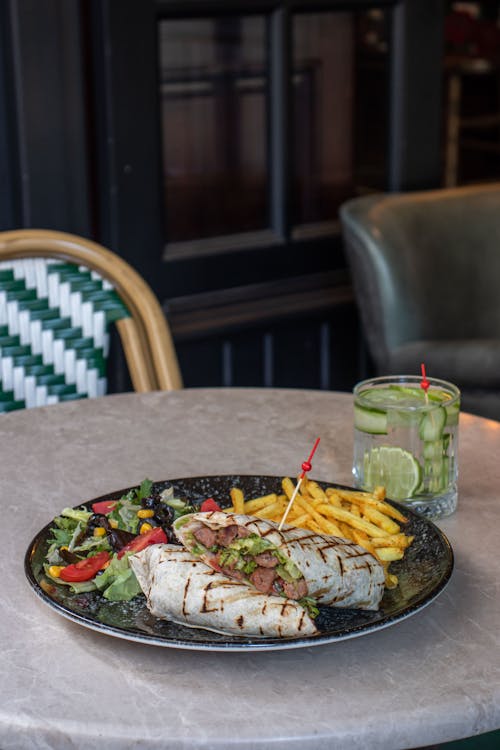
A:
(179, 587)
(295, 562)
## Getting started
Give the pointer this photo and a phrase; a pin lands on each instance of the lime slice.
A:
(395, 469)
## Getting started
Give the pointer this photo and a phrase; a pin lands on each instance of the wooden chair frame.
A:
(145, 336)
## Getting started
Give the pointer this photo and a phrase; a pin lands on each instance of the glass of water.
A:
(406, 439)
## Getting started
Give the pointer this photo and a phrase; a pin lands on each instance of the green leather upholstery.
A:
(54, 332)
(426, 272)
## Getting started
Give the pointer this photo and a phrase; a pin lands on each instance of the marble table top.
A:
(431, 678)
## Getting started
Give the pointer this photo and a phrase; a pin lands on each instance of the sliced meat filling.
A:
(263, 579)
(266, 560)
(206, 536)
(247, 556)
(295, 589)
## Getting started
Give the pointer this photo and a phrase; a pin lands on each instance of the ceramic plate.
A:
(423, 574)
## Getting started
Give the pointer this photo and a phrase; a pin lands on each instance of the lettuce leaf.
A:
(118, 582)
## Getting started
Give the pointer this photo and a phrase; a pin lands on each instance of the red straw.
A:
(307, 466)
(424, 383)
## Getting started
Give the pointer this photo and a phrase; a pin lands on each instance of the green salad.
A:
(89, 548)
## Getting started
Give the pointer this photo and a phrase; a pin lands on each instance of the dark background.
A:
(248, 264)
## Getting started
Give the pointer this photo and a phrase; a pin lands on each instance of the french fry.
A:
(359, 523)
(389, 553)
(346, 531)
(300, 520)
(402, 541)
(313, 526)
(259, 502)
(288, 487)
(333, 497)
(324, 524)
(391, 581)
(273, 509)
(379, 519)
(315, 491)
(238, 500)
(361, 538)
(364, 498)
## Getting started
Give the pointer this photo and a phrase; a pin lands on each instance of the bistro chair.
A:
(426, 273)
(59, 295)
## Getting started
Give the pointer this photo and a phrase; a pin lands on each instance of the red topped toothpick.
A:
(424, 383)
(306, 466)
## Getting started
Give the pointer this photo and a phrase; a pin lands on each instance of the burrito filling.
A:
(246, 556)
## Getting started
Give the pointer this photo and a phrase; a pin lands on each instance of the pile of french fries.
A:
(362, 517)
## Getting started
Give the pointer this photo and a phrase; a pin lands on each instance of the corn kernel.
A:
(145, 513)
(99, 531)
(113, 523)
(55, 570)
(65, 546)
(145, 527)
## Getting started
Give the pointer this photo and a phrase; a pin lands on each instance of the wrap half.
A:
(180, 588)
(295, 562)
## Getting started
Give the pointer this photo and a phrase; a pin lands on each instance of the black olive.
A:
(118, 538)
(97, 520)
(69, 557)
(164, 515)
(151, 502)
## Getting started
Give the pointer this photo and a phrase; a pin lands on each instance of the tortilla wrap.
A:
(179, 587)
(337, 572)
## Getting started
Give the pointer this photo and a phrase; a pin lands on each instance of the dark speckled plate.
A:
(423, 574)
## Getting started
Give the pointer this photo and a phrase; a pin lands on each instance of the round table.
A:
(430, 678)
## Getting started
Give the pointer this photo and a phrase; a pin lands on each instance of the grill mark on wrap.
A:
(353, 552)
(362, 565)
(184, 595)
(303, 621)
(341, 565)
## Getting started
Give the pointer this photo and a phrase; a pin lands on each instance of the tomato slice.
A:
(156, 535)
(209, 505)
(86, 569)
(104, 506)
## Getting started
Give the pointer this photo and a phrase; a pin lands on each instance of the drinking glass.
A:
(406, 439)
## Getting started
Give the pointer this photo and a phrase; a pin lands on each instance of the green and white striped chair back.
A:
(54, 332)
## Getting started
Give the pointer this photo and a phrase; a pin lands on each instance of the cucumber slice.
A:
(433, 450)
(435, 475)
(432, 425)
(409, 419)
(372, 421)
(452, 412)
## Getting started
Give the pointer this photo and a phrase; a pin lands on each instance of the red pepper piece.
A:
(209, 505)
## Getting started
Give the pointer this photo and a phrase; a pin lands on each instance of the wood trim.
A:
(213, 313)
(228, 243)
